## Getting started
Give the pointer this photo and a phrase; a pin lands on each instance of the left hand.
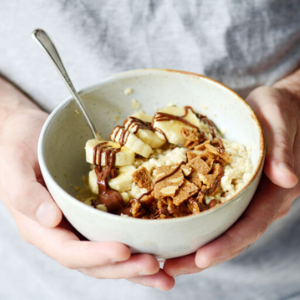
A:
(278, 110)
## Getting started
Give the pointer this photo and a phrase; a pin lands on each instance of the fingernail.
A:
(204, 263)
(46, 213)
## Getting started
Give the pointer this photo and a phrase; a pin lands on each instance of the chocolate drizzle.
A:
(203, 118)
(128, 211)
(134, 124)
(124, 134)
(171, 173)
(162, 117)
(107, 196)
(212, 129)
(217, 142)
(162, 133)
(149, 207)
(161, 179)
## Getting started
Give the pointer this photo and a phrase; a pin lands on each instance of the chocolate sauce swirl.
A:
(162, 117)
(107, 196)
(124, 134)
(134, 124)
(203, 118)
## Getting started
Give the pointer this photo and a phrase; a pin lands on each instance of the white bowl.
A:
(62, 157)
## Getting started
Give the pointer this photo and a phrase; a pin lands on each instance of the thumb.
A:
(21, 190)
(280, 132)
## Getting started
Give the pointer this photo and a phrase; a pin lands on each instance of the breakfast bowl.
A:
(62, 156)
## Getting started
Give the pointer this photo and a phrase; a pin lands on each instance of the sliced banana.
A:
(93, 182)
(172, 128)
(134, 125)
(151, 138)
(180, 111)
(121, 183)
(123, 158)
(122, 135)
(143, 117)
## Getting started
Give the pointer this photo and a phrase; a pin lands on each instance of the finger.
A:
(136, 265)
(229, 244)
(65, 247)
(24, 193)
(160, 280)
(77, 254)
(187, 265)
(280, 133)
(182, 265)
(279, 165)
(254, 222)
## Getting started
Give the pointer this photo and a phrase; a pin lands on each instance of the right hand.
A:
(39, 220)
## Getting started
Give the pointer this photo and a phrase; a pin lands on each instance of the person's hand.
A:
(278, 109)
(36, 215)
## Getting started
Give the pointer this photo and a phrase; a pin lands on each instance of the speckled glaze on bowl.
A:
(62, 157)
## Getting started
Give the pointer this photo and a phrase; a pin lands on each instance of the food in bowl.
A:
(171, 165)
(62, 160)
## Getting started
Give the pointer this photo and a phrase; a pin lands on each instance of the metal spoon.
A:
(45, 42)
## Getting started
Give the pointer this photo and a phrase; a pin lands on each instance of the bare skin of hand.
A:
(36, 215)
(277, 108)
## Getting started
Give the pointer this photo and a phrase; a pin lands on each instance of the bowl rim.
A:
(125, 74)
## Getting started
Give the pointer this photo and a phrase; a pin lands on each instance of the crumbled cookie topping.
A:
(180, 190)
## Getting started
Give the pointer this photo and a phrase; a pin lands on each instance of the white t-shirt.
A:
(243, 44)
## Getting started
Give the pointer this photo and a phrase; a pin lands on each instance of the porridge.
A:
(173, 164)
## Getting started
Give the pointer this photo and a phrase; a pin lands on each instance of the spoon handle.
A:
(45, 42)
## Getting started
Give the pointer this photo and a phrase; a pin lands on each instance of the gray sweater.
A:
(243, 44)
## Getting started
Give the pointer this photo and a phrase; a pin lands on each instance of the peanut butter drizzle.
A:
(107, 196)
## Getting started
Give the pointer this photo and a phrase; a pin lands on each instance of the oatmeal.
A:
(170, 165)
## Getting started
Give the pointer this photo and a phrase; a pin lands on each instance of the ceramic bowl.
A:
(62, 156)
